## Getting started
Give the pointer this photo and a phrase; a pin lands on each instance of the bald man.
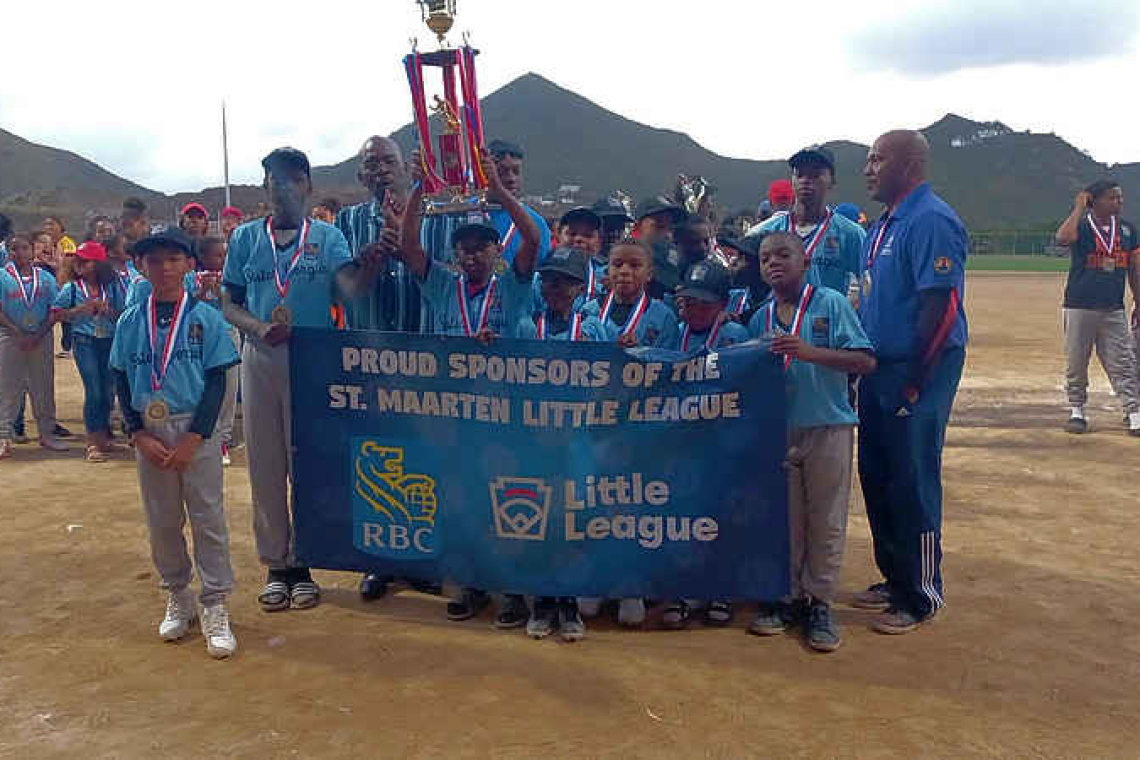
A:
(912, 287)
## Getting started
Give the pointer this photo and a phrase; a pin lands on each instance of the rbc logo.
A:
(393, 511)
(520, 507)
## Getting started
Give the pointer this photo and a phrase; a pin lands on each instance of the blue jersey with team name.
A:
(252, 258)
(691, 341)
(30, 317)
(510, 302)
(203, 343)
(591, 328)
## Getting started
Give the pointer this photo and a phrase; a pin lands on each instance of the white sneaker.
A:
(220, 641)
(181, 613)
(589, 607)
(631, 612)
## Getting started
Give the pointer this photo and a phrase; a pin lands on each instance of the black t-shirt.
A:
(1096, 278)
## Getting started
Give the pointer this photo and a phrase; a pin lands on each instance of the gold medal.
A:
(281, 315)
(866, 284)
(157, 410)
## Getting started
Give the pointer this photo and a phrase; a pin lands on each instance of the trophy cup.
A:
(451, 164)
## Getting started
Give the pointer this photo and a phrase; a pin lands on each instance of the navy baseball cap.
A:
(568, 261)
(168, 237)
(655, 205)
(475, 223)
(287, 158)
(611, 208)
(581, 214)
(706, 281)
(813, 154)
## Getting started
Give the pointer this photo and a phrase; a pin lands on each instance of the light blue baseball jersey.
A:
(102, 326)
(511, 238)
(730, 334)
(836, 258)
(509, 305)
(657, 328)
(591, 328)
(203, 343)
(817, 396)
(3, 254)
(252, 258)
(29, 318)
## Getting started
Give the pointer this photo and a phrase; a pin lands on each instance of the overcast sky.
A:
(137, 86)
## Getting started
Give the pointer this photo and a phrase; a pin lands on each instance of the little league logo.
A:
(520, 507)
(394, 512)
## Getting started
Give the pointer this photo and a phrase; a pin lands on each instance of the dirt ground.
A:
(1037, 654)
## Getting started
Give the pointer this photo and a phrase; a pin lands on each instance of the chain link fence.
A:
(1015, 243)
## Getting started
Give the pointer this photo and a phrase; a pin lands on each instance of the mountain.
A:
(994, 176)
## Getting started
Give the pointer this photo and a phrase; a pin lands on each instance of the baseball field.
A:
(1037, 654)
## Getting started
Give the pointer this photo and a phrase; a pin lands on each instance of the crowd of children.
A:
(158, 319)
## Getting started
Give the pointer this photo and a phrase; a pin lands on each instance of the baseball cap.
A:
(706, 281)
(656, 205)
(233, 211)
(500, 148)
(475, 223)
(286, 158)
(168, 237)
(582, 214)
(813, 154)
(780, 192)
(568, 261)
(611, 208)
(666, 265)
(728, 240)
(91, 251)
(195, 206)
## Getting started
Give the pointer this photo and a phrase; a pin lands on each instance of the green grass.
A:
(998, 263)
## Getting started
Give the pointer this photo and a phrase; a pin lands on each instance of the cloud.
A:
(940, 38)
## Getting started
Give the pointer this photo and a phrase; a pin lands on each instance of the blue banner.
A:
(547, 468)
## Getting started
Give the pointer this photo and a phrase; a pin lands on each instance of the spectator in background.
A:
(781, 195)
(326, 210)
(133, 221)
(53, 226)
(229, 221)
(44, 253)
(194, 220)
(100, 229)
(5, 233)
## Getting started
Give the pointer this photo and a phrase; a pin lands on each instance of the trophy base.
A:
(459, 207)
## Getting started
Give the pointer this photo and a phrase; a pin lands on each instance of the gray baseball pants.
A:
(1108, 332)
(819, 487)
(33, 371)
(267, 420)
(168, 497)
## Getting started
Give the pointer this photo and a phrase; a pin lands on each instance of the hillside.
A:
(994, 176)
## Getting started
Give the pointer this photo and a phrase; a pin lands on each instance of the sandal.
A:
(304, 594)
(95, 455)
(719, 614)
(676, 615)
(274, 596)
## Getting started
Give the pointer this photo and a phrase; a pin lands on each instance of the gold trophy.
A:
(439, 15)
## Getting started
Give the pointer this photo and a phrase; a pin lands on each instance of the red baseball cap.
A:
(195, 206)
(781, 192)
(233, 211)
(91, 251)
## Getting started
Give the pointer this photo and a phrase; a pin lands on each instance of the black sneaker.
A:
(1076, 425)
(426, 587)
(822, 635)
(61, 432)
(470, 603)
(513, 613)
(876, 597)
(373, 586)
(544, 620)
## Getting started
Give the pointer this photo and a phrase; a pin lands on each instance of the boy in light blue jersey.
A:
(508, 158)
(26, 365)
(630, 316)
(816, 334)
(832, 242)
(703, 300)
(169, 359)
(280, 272)
(475, 303)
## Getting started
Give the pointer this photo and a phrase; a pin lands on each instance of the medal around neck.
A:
(157, 410)
(281, 315)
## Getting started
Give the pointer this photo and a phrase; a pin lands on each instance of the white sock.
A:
(1134, 421)
(1077, 413)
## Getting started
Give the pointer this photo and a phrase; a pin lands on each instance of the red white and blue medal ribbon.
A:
(710, 341)
(484, 312)
(591, 283)
(575, 327)
(635, 316)
(509, 236)
(816, 235)
(302, 239)
(29, 301)
(740, 303)
(82, 285)
(157, 378)
(1109, 245)
(801, 309)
